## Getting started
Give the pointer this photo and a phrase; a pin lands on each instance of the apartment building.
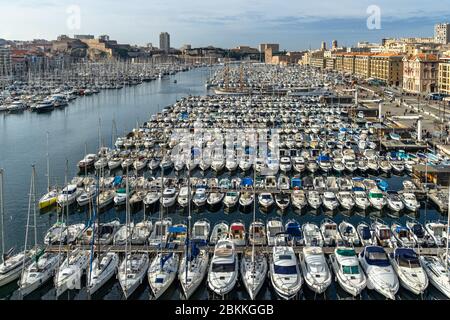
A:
(420, 73)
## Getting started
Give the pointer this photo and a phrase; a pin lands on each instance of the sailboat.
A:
(69, 273)
(43, 264)
(12, 265)
(194, 263)
(48, 199)
(253, 266)
(104, 266)
(163, 269)
(39, 272)
(133, 268)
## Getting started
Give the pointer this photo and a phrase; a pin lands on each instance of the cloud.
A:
(294, 23)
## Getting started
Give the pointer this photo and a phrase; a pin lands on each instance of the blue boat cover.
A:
(117, 180)
(176, 229)
(246, 182)
(296, 182)
(400, 228)
(166, 257)
(284, 269)
(323, 158)
(417, 229)
(406, 254)
(293, 229)
(365, 233)
(195, 151)
(382, 184)
(376, 262)
(357, 189)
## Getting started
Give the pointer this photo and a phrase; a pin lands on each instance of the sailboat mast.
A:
(29, 206)
(2, 213)
(161, 207)
(189, 220)
(254, 216)
(99, 133)
(67, 206)
(126, 228)
(34, 205)
(446, 242)
(48, 166)
(85, 154)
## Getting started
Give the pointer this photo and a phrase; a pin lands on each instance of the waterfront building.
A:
(387, 67)
(164, 42)
(83, 36)
(442, 33)
(317, 59)
(263, 46)
(444, 75)
(334, 45)
(420, 73)
(348, 63)
(362, 64)
(5, 65)
(330, 63)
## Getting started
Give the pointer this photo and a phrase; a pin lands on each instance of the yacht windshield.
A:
(350, 269)
(409, 263)
(223, 267)
(285, 269)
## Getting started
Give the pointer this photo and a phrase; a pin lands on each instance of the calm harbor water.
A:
(23, 142)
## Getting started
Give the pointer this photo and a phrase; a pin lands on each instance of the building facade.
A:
(420, 73)
(362, 65)
(442, 33)
(164, 42)
(444, 75)
(387, 67)
(5, 65)
(274, 46)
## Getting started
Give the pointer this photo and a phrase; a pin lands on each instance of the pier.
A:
(180, 249)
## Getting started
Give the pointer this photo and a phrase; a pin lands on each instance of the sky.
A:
(294, 24)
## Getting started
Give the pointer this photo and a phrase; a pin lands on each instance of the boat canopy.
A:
(284, 269)
(323, 158)
(117, 180)
(177, 229)
(293, 229)
(296, 183)
(406, 254)
(237, 227)
(365, 233)
(376, 256)
(346, 252)
(417, 229)
(399, 229)
(195, 152)
(357, 189)
(382, 184)
(247, 182)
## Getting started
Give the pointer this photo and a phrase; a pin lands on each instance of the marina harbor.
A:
(240, 181)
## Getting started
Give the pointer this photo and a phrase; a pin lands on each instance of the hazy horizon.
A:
(293, 24)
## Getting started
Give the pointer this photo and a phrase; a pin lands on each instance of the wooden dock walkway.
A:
(152, 250)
